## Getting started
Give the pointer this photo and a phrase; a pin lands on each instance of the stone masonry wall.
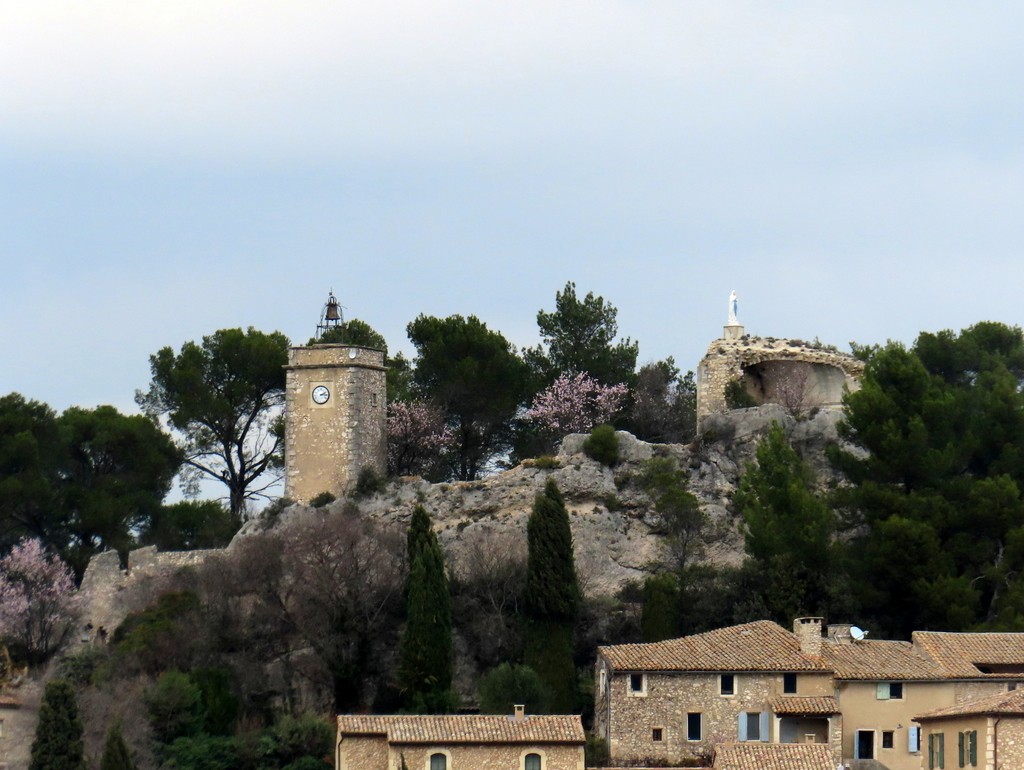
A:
(326, 445)
(670, 697)
(730, 359)
(487, 757)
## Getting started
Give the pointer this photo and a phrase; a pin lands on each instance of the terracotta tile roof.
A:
(773, 756)
(879, 660)
(758, 646)
(822, 704)
(959, 655)
(466, 728)
(1001, 704)
(9, 702)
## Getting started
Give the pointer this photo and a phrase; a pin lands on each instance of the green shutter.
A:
(882, 691)
(960, 747)
(941, 740)
(972, 740)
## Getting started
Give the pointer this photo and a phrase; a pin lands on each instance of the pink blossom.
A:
(575, 404)
(417, 436)
(37, 599)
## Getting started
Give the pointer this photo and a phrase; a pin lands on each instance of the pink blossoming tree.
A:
(575, 403)
(38, 602)
(417, 437)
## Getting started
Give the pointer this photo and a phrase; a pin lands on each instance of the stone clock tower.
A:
(335, 418)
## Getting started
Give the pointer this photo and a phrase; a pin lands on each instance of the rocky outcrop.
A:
(613, 523)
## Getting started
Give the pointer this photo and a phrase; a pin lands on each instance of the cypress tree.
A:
(58, 742)
(425, 652)
(115, 753)
(552, 598)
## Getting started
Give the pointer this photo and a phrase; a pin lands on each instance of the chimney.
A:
(808, 634)
(520, 715)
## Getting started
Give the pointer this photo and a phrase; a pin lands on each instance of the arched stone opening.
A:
(796, 385)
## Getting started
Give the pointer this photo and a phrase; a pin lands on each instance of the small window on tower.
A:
(657, 735)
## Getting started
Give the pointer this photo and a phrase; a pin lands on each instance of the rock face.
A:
(612, 518)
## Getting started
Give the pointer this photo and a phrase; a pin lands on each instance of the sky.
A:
(854, 171)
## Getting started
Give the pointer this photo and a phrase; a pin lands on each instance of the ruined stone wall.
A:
(327, 444)
(779, 371)
(109, 594)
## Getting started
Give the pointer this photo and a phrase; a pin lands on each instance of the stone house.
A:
(758, 683)
(675, 700)
(985, 733)
(460, 742)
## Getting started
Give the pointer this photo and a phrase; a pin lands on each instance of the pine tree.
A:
(115, 753)
(425, 666)
(552, 598)
(58, 742)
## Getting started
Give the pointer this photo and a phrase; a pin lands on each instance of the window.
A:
(532, 762)
(789, 684)
(727, 684)
(438, 762)
(888, 737)
(914, 740)
(936, 751)
(603, 678)
(754, 726)
(693, 727)
(657, 735)
(967, 748)
(637, 684)
(889, 691)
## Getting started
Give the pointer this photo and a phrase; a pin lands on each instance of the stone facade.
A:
(779, 371)
(1000, 741)
(335, 418)
(628, 720)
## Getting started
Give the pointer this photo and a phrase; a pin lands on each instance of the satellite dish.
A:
(858, 634)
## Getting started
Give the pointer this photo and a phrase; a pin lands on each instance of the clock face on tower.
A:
(321, 394)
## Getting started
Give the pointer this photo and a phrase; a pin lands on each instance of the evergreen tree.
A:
(789, 530)
(425, 652)
(115, 753)
(552, 598)
(58, 742)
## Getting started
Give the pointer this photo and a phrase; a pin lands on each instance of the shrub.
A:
(546, 463)
(503, 687)
(737, 397)
(602, 445)
(175, 705)
(369, 482)
(324, 498)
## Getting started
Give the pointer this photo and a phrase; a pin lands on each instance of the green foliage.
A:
(943, 426)
(174, 706)
(425, 653)
(90, 665)
(579, 336)
(737, 396)
(678, 514)
(509, 685)
(202, 752)
(660, 619)
(223, 396)
(596, 751)
(152, 635)
(547, 463)
(325, 498)
(353, 332)
(220, 705)
(602, 445)
(478, 380)
(789, 530)
(115, 751)
(664, 409)
(552, 597)
(369, 482)
(297, 740)
(189, 525)
(58, 741)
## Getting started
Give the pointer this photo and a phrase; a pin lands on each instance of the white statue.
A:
(733, 305)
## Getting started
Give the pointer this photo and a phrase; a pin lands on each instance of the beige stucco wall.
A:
(862, 710)
(951, 728)
(628, 725)
(327, 445)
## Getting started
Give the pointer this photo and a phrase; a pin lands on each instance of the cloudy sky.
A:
(853, 170)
